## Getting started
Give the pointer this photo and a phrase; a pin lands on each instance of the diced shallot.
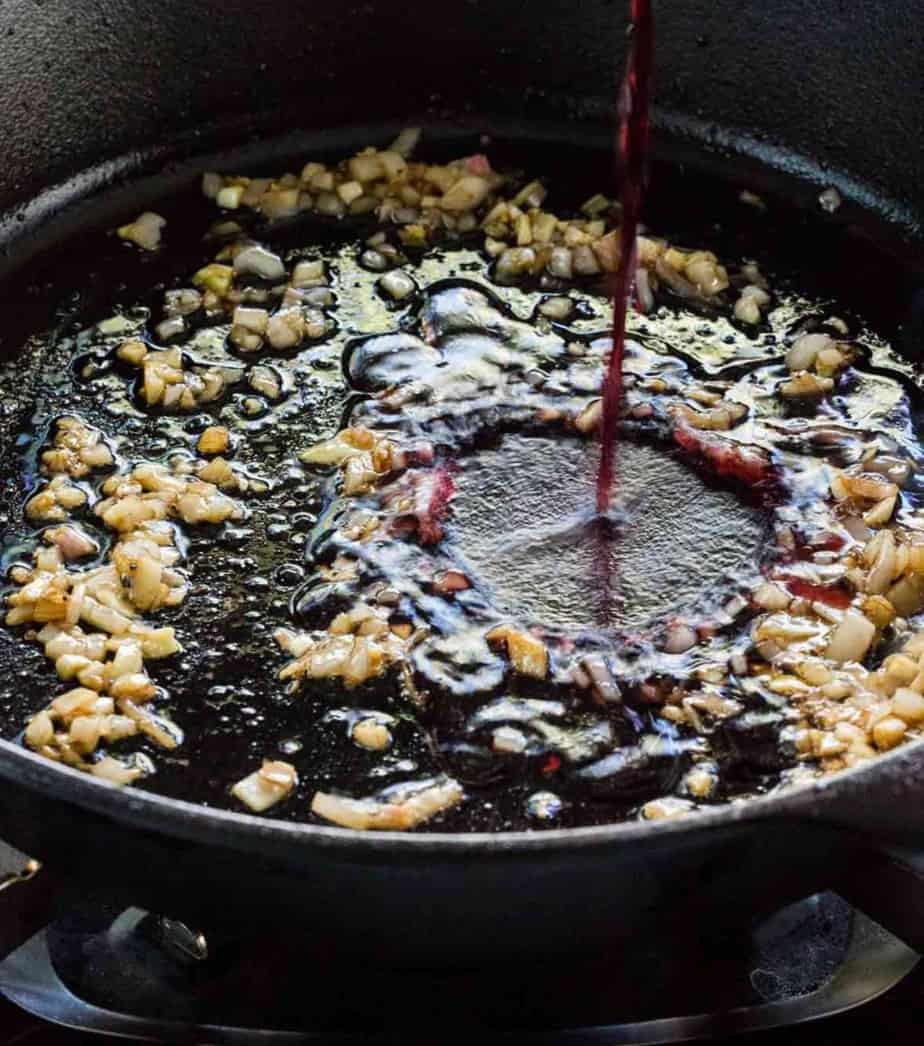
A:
(400, 809)
(852, 638)
(273, 782)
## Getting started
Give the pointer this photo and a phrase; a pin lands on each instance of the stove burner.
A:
(131, 973)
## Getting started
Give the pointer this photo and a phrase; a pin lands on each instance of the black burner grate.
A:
(132, 973)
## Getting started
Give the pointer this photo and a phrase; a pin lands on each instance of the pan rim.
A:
(183, 819)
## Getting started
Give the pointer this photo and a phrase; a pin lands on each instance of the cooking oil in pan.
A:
(496, 656)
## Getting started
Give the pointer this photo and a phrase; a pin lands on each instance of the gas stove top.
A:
(130, 973)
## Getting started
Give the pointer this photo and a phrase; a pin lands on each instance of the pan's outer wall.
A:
(841, 84)
(378, 899)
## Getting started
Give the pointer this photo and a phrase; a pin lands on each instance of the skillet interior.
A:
(842, 264)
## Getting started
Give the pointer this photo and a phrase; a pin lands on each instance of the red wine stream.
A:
(633, 158)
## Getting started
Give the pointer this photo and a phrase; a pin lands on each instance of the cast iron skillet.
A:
(772, 95)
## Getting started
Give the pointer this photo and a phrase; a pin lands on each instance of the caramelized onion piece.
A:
(122, 772)
(400, 809)
(273, 782)
(852, 638)
(144, 231)
(527, 653)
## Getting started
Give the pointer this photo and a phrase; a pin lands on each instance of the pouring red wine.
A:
(634, 101)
